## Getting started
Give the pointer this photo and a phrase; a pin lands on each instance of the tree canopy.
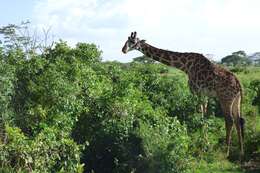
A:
(236, 58)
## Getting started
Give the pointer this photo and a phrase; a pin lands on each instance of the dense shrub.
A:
(7, 78)
(132, 136)
(50, 151)
(46, 99)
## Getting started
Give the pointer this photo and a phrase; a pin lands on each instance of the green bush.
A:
(132, 136)
(7, 79)
(207, 134)
(50, 151)
(45, 97)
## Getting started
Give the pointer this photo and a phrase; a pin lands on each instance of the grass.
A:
(219, 166)
(250, 73)
(11, 170)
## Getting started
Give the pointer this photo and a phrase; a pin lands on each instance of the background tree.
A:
(144, 60)
(236, 58)
(255, 58)
(23, 37)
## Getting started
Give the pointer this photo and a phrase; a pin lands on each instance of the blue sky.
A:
(217, 27)
(14, 11)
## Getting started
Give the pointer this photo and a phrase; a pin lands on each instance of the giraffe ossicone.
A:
(204, 78)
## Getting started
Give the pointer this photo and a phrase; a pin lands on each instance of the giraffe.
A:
(204, 78)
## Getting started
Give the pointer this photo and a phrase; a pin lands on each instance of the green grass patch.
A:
(220, 164)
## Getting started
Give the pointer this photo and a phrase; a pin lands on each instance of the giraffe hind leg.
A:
(239, 123)
(229, 126)
(227, 110)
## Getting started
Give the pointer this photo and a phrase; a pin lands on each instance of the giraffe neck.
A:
(175, 59)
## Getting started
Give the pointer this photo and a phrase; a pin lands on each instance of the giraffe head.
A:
(132, 43)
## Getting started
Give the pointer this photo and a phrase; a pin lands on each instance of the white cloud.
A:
(207, 26)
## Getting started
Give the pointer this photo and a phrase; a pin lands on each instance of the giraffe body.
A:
(205, 78)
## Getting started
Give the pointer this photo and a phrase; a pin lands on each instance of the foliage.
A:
(255, 57)
(255, 85)
(23, 37)
(121, 133)
(237, 58)
(144, 60)
(7, 78)
(50, 151)
(41, 95)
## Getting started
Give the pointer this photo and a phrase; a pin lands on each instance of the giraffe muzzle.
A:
(124, 50)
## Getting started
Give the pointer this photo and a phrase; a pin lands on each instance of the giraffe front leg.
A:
(203, 106)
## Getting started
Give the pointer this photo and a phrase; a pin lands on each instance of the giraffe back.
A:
(212, 80)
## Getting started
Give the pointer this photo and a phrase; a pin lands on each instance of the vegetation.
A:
(237, 58)
(64, 110)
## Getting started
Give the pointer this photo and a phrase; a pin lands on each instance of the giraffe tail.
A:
(242, 125)
(241, 119)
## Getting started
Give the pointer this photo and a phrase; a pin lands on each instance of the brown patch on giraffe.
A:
(209, 78)
(158, 55)
(156, 58)
(177, 64)
(163, 55)
(183, 60)
(165, 62)
(148, 54)
(156, 50)
(189, 63)
(173, 58)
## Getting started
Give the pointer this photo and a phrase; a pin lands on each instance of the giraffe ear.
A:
(134, 35)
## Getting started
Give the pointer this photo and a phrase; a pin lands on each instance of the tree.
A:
(144, 60)
(255, 58)
(236, 58)
(23, 37)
